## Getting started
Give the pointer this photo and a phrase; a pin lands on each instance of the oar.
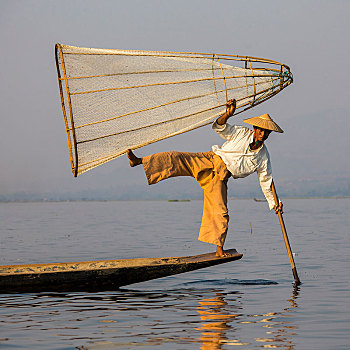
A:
(285, 236)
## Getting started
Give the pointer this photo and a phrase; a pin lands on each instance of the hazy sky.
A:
(312, 37)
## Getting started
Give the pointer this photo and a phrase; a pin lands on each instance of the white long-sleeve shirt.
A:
(240, 160)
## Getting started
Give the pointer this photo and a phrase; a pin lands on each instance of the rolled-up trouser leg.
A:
(161, 166)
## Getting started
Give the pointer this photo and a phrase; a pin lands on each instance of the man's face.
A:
(261, 134)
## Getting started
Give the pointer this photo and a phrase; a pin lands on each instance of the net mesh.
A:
(113, 100)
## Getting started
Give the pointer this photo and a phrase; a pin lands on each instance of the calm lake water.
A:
(245, 304)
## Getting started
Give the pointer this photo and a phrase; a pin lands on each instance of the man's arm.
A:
(265, 179)
(230, 110)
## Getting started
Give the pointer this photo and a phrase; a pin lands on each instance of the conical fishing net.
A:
(113, 100)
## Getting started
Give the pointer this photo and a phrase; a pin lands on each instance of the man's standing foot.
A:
(134, 161)
(220, 253)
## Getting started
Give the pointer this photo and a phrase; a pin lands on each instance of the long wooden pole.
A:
(285, 237)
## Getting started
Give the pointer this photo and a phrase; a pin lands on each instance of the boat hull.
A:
(100, 275)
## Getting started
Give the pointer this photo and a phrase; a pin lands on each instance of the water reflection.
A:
(282, 330)
(217, 323)
(214, 318)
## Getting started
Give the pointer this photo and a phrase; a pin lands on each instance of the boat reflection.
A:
(218, 323)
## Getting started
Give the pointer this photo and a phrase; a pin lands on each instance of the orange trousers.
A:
(212, 175)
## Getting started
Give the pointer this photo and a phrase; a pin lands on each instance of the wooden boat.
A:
(260, 200)
(100, 275)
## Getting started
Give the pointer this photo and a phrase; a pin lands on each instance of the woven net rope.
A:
(114, 100)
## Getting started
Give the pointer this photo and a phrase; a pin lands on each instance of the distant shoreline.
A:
(256, 200)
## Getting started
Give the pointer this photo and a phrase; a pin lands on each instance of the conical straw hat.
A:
(264, 121)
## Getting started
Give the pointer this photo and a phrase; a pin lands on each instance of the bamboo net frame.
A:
(113, 100)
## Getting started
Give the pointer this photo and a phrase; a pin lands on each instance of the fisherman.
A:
(243, 153)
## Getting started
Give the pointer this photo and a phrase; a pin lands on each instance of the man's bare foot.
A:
(220, 253)
(134, 161)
